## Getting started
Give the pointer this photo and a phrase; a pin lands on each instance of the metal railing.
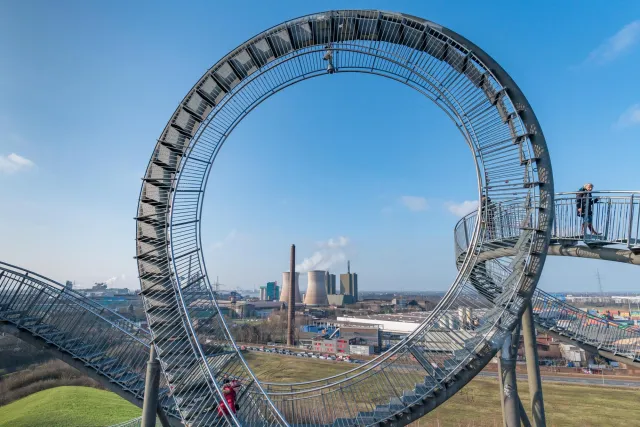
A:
(560, 317)
(616, 213)
(103, 340)
(615, 216)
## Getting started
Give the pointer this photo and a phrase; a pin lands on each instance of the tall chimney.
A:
(292, 299)
(348, 267)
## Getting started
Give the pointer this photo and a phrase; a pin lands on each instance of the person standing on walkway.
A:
(584, 205)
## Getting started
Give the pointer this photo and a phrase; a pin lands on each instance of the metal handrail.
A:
(616, 216)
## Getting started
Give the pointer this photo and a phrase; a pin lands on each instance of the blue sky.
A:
(86, 88)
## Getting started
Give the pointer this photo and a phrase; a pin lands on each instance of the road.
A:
(590, 380)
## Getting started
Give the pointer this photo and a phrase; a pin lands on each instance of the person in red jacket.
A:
(230, 392)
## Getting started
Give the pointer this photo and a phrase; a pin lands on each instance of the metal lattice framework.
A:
(512, 164)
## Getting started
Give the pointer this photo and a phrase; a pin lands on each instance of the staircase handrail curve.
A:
(81, 300)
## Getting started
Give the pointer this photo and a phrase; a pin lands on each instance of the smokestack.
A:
(316, 292)
(292, 298)
(348, 267)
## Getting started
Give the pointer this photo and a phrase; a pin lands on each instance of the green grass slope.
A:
(68, 407)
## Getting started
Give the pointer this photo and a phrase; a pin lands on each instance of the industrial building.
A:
(331, 345)
(340, 300)
(316, 290)
(270, 292)
(464, 318)
(330, 283)
(284, 294)
(349, 283)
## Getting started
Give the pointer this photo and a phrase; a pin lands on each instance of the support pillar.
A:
(291, 318)
(500, 385)
(151, 388)
(533, 368)
(510, 399)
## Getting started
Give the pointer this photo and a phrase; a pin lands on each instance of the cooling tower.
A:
(284, 294)
(316, 292)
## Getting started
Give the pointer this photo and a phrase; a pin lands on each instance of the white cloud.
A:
(414, 203)
(339, 242)
(461, 209)
(332, 252)
(614, 46)
(631, 117)
(228, 239)
(14, 163)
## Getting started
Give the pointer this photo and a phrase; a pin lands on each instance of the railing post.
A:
(608, 221)
(630, 222)
(151, 387)
(466, 233)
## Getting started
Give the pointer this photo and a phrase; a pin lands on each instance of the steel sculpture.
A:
(512, 165)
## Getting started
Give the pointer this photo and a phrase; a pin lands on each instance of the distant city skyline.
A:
(345, 166)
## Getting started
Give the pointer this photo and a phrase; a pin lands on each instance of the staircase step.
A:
(90, 356)
(42, 328)
(28, 320)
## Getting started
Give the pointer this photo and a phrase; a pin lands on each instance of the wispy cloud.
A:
(228, 239)
(338, 242)
(461, 209)
(414, 203)
(331, 252)
(14, 163)
(616, 45)
(630, 117)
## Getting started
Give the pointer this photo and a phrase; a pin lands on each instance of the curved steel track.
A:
(512, 165)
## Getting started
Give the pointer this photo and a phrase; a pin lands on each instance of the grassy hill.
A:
(68, 407)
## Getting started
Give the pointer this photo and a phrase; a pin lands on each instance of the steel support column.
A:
(151, 388)
(510, 399)
(533, 370)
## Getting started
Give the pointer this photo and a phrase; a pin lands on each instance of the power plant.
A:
(349, 283)
(316, 290)
(330, 283)
(284, 294)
